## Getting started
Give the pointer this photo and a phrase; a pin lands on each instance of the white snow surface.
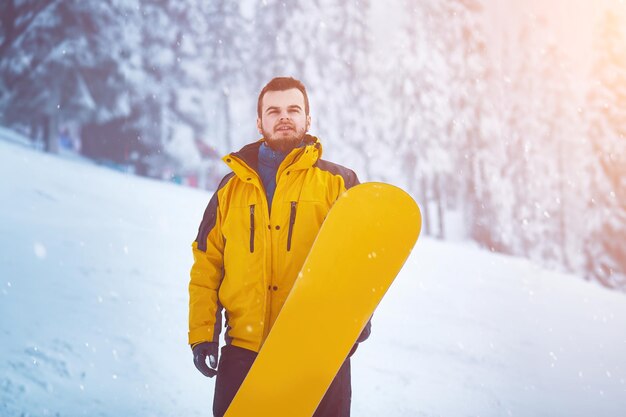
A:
(93, 313)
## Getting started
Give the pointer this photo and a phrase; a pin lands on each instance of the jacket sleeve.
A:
(346, 179)
(205, 315)
(351, 179)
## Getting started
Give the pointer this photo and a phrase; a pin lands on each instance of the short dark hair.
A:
(282, 84)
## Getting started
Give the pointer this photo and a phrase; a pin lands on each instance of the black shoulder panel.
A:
(210, 214)
(349, 177)
(250, 154)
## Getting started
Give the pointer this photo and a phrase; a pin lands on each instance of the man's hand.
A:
(366, 332)
(200, 353)
(362, 337)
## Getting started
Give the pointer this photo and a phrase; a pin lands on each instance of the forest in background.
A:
(530, 166)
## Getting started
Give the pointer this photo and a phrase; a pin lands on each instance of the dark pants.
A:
(235, 362)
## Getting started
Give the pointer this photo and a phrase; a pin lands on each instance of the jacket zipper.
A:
(292, 221)
(252, 228)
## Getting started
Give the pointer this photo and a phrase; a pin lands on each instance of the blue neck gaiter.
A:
(269, 161)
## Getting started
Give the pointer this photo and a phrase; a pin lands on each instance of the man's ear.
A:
(308, 123)
(259, 126)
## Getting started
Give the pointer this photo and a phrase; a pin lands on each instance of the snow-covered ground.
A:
(93, 313)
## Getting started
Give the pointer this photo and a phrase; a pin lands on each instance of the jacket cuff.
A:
(200, 334)
(193, 345)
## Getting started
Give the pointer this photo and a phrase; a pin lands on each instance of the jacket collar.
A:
(245, 162)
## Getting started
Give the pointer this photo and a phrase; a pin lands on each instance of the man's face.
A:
(283, 122)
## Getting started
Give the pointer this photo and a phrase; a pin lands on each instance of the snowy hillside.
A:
(93, 308)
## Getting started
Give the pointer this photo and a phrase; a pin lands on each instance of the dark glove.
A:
(200, 353)
(365, 333)
(362, 337)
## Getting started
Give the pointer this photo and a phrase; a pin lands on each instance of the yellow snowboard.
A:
(362, 245)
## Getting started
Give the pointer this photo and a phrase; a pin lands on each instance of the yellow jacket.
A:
(246, 260)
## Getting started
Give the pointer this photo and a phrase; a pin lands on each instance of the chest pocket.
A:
(252, 209)
(292, 222)
(241, 222)
(305, 220)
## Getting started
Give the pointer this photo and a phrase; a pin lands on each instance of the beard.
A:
(284, 141)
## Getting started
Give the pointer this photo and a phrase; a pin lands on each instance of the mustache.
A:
(284, 125)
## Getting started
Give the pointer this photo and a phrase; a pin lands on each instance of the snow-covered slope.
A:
(93, 307)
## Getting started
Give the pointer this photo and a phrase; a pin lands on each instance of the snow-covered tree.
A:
(347, 109)
(57, 61)
(402, 123)
(283, 33)
(606, 114)
(557, 167)
(166, 105)
(440, 79)
(466, 58)
(537, 163)
(223, 37)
